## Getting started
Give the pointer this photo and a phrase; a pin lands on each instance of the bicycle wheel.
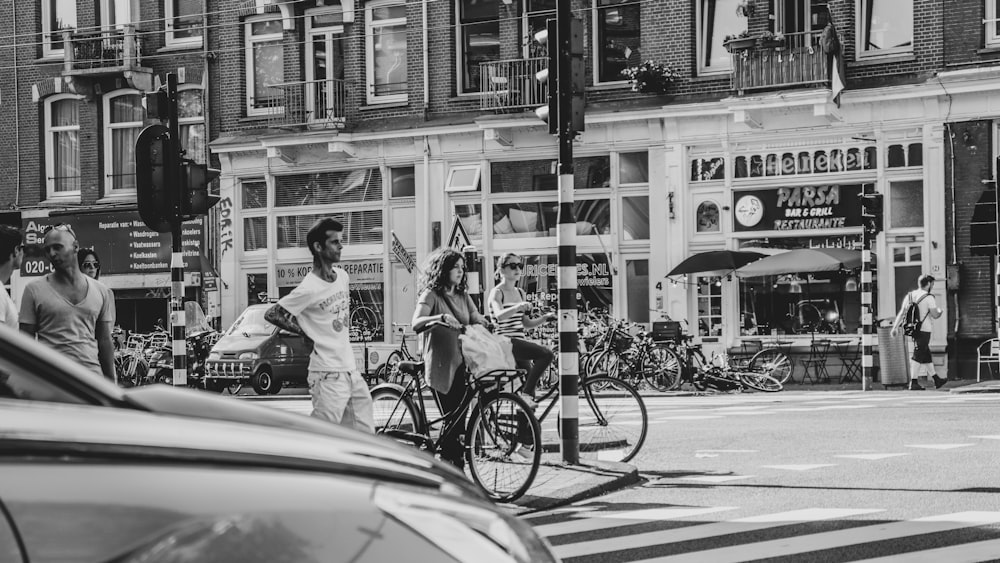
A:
(662, 368)
(394, 412)
(760, 381)
(613, 423)
(503, 446)
(772, 362)
(391, 374)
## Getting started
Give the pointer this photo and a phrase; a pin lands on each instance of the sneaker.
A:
(938, 382)
(915, 386)
(529, 400)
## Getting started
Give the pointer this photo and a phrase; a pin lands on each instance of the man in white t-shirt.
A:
(11, 252)
(319, 308)
(921, 361)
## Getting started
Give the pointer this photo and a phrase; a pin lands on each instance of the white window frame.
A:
(861, 52)
(171, 39)
(471, 187)
(596, 47)
(460, 53)
(107, 7)
(370, 25)
(529, 37)
(50, 193)
(107, 129)
(329, 33)
(183, 122)
(990, 22)
(48, 6)
(700, 50)
(249, 43)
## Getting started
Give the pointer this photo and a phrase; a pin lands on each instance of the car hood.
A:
(238, 343)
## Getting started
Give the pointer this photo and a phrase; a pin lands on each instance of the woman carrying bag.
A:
(510, 309)
(444, 301)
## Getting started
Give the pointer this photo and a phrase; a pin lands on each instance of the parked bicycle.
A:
(637, 359)
(386, 371)
(687, 364)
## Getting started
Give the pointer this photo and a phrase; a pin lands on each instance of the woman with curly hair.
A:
(445, 304)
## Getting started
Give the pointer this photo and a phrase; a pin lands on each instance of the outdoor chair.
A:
(987, 353)
(850, 354)
(816, 362)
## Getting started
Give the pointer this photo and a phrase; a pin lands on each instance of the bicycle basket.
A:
(666, 331)
(620, 341)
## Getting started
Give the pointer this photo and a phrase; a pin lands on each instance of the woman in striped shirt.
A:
(510, 310)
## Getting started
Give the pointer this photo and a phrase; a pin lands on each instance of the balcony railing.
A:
(314, 104)
(102, 52)
(506, 85)
(797, 60)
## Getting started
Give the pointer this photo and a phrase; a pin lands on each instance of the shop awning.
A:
(803, 260)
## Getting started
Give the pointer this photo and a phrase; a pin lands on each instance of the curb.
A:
(606, 477)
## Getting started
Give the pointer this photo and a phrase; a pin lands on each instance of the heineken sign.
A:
(799, 208)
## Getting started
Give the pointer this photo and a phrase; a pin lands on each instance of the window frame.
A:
(861, 53)
(250, 42)
(171, 39)
(107, 7)
(107, 129)
(992, 19)
(49, 146)
(597, 49)
(460, 54)
(183, 122)
(330, 34)
(48, 11)
(475, 186)
(370, 96)
(702, 69)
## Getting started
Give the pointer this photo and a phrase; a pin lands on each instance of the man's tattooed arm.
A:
(281, 318)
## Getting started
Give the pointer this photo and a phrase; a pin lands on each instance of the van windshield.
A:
(252, 323)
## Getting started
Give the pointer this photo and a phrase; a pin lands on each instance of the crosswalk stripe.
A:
(938, 446)
(993, 437)
(607, 520)
(964, 553)
(703, 531)
(800, 467)
(836, 538)
(869, 457)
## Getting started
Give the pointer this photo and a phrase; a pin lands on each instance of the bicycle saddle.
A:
(412, 368)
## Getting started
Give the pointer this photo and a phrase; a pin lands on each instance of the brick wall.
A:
(965, 35)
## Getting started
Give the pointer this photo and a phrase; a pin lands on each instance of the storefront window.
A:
(403, 184)
(635, 217)
(906, 204)
(805, 302)
(254, 233)
(634, 168)
(367, 293)
(637, 287)
(256, 288)
(538, 219)
(709, 306)
(708, 217)
(360, 227)
(325, 188)
(472, 219)
(254, 194)
(542, 175)
(593, 277)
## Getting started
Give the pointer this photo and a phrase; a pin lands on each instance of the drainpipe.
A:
(954, 244)
(17, 114)
(427, 88)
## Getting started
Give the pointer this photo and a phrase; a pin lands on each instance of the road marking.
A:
(993, 437)
(801, 467)
(688, 417)
(965, 553)
(712, 478)
(602, 520)
(870, 457)
(729, 451)
(837, 538)
(703, 531)
(939, 446)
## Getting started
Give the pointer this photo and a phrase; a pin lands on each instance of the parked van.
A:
(255, 351)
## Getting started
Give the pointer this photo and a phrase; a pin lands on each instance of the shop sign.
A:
(123, 242)
(404, 257)
(364, 274)
(799, 208)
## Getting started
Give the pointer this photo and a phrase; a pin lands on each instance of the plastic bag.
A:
(484, 351)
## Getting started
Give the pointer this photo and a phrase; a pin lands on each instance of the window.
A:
(537, 12)
(635, 217)
(907, 265)
(57, 15)
(190, 117)
(62, 146)
(123, 116)
(617, 38)
(906, 204)
(709, 306)
(402, 181)
(885, 28)
(541, 175)
(637, 290)
(463, 178)
(707, 217)
(633, 168)
(992, 23)
(716, 20)
(265, 59)
(479, 39)
(385, 42)
(116, 13)
(540, 218)
(184, 22)
(325, 95)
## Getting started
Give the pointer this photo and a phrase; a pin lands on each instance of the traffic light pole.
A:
(178, 323)
(569, 357)
(868, 294)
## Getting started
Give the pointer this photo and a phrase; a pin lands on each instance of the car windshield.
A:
(252, 323)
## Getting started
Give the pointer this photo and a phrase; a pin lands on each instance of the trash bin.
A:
(893, 358)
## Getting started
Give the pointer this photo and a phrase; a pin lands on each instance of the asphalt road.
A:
(801, 476)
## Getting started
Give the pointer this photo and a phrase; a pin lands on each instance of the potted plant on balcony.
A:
(739, 42)
(650, 77)
(771, 40)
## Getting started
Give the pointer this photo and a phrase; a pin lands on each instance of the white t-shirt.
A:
(925, 306)
(323, 310)
(8, 311)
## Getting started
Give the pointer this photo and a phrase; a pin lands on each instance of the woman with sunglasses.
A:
(510, 309)
(89, 263)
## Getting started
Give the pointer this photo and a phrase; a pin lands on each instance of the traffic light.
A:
(155, 178)
(872, 213)
(577, 73)
(549, 113)
(196, 198)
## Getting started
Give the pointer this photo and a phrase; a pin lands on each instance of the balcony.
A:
(511, 85)
(313, 104)
(796, 60)
(95, 55)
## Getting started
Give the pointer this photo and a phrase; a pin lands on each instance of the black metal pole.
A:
(178, 323)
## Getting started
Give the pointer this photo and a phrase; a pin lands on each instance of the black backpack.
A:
(911, 319)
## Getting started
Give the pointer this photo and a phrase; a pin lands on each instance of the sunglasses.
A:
(60, 227)
(95, 265)
(514, 265)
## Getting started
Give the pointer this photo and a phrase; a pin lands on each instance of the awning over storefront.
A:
(803, 260)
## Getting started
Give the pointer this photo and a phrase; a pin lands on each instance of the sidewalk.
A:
(558, 484)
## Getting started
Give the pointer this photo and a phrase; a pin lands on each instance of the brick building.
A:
(71, 110)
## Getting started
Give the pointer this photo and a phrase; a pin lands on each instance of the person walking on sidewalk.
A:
(921, 361)
(68, 310)
(320, 309)
(444, 301)
(11, 252)
(510, 310)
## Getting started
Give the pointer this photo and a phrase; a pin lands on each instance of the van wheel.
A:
(264, 383)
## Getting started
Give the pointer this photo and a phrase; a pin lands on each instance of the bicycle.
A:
(636, 359)
(387, 371)
(692, 367)
(500, 427)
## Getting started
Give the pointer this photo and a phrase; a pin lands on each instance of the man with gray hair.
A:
(11, 254)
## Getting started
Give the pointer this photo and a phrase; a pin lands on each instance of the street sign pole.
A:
(178, 322)
(867, 300)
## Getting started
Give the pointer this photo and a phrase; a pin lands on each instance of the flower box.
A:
(741, 44)
(772, 43)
